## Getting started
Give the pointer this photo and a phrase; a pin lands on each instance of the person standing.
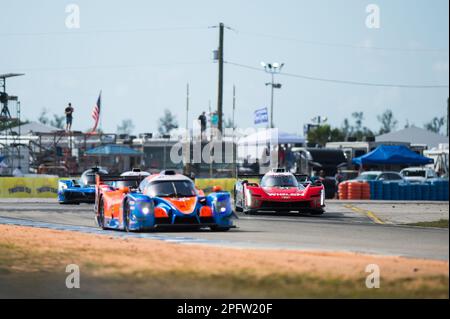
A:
(281, 156)
(69, 111)
(203, 120)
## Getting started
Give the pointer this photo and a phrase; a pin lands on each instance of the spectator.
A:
(290, 159)
(339, 177)
(255, 167)
(203, 120)
(214, 119)
(68, 111)
(281, 156)
(322, 175)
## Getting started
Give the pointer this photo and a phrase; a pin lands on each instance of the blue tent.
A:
(113, 150)
(391, 155)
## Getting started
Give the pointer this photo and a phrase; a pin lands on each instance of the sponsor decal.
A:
(285, 195)
(47, 189)
(19, 189)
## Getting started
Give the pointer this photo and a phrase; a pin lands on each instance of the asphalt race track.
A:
(340, 229)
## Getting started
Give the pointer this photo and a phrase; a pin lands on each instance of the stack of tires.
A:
(387, 193)
(395, 191)
(376, 190)
(343, 191)
(365, 191)
(434, 190)
(354, 190)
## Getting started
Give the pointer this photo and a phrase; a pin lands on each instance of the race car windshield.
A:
(279, 181)
(89, 178)
(171, 189)
(130, 184)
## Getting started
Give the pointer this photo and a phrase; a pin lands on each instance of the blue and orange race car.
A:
(79, 191)
(135, 203)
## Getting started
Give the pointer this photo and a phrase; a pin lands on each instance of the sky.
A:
(142, 54)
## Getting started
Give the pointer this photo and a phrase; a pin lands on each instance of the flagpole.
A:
(100, 115)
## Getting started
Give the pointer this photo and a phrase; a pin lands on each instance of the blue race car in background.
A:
(80, 191)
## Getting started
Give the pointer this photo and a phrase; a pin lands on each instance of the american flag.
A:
(96, 112)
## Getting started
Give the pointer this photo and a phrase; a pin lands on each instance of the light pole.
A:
(272, 68)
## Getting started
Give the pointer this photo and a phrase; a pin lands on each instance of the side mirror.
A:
(216, 189)
(124, 190)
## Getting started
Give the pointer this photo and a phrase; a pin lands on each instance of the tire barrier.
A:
(343, 191)
(433, 190)
(354, 190)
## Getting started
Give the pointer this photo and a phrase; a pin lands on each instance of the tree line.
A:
(354, 128)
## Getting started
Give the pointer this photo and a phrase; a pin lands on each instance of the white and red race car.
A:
(279, 191)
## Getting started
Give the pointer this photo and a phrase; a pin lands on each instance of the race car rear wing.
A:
(301, 178)
(104, 179)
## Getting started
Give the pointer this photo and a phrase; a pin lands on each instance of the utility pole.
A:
(272, 68)
(448, 106)
(234, 133)
(234, 105)
(220, 90)
(187, 108)
(272, 85)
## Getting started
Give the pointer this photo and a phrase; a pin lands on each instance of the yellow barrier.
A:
(47, 187)
(227, 184)
(23, 187)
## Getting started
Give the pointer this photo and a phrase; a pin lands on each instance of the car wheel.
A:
(236, 207)
(317, 212)
(101, 214)
(126, 217)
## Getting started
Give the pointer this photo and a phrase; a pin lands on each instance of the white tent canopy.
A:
(273, 136)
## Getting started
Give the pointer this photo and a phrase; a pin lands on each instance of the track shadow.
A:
(326, 215)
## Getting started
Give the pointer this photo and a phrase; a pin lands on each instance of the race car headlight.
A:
(62, 186)
(145, 208)
(322, 197)
(220, 206)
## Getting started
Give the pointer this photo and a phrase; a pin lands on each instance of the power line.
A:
(313, 78)
(81, 32)
(102, 67)
(346, 45)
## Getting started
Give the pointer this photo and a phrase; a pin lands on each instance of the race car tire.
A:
(248, 211)
(101, 214)
(317, 212)
(62, 203)
(236, 207)
(126, 217)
